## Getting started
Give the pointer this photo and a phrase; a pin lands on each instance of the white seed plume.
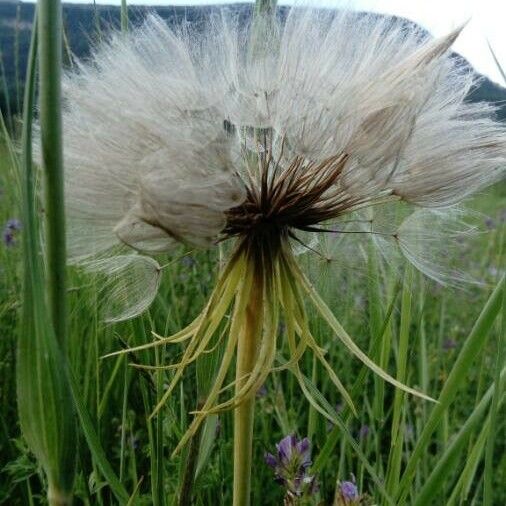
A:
(160, 124)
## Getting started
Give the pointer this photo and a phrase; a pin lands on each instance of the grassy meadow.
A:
(375, 307)
(447, 342)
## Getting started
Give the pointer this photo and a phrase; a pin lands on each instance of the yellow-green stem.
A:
(56, 497)
(244, 414)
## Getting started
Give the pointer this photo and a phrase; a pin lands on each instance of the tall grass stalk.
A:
(50, 64)
(5, 90)
(397, 427)
(44, 399)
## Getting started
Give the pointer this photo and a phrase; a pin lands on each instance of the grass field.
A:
(433, 320)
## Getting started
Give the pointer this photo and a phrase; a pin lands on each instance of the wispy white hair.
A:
(159, 123)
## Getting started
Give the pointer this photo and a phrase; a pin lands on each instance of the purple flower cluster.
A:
(291, 465)
(9, 233)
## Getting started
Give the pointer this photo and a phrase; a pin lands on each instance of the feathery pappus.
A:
(288, 132)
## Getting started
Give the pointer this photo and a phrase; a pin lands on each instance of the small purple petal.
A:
(262, 392)
(13, 224)
(364, 431)
(489, 222)
(349, 490)
(304, 450)
(285, 447)
(270, 460)
(8, 238)
(449, 344)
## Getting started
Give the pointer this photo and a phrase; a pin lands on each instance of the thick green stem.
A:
(50, 61)
(244, 414)
(56, 497)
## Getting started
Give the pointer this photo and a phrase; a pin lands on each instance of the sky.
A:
(486, 21)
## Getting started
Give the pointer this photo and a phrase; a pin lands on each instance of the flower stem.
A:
(244, 414)
(56, 497)
(50, 61)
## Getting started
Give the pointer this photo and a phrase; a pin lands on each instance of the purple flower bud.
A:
(13, 224)
(8, 238)
(9, 232)
(349, 490)
(270, 460)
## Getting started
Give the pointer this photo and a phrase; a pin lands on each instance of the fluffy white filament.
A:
(159, 125)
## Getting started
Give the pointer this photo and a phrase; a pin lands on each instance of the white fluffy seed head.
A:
(160, 125)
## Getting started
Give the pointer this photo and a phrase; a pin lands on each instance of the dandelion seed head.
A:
(186, 135)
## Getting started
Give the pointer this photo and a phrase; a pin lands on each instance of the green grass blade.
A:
(457, 377)
(446, 463)
(95, 446)
(375, 324)
(468, 474)
(397, 432)
(488, 491)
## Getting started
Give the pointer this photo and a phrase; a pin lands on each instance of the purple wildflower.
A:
(291, 464)
(9, 233)
(262, 392)
(188, 261)
(8, 238)
(364, 431)
(13, 224)
(449, 344)
(348, 490)
(347, 494)
(489, 223)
